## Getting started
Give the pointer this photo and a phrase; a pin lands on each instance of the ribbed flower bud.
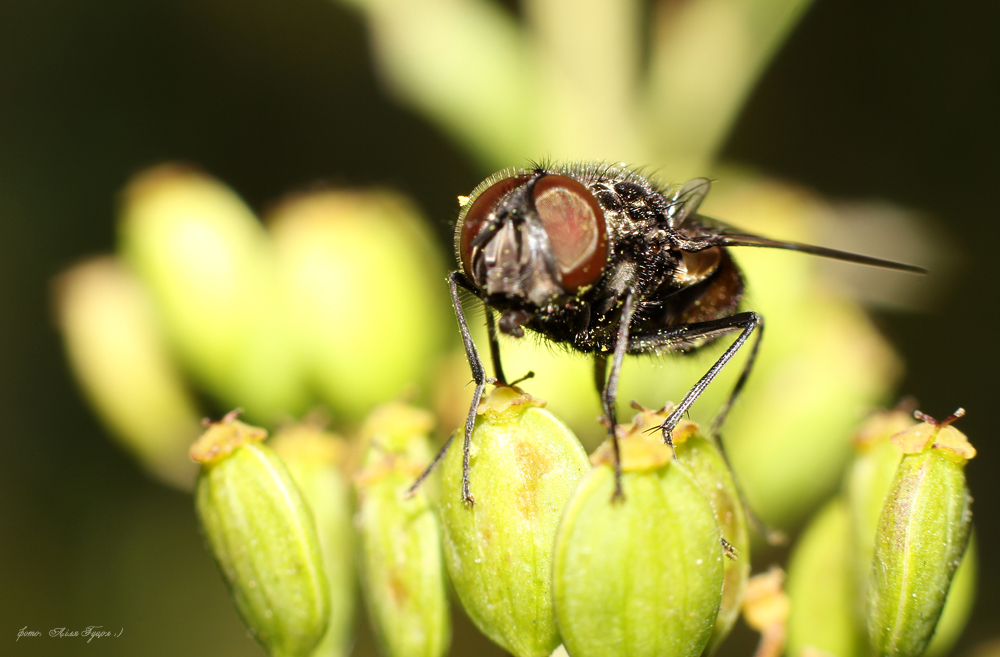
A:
(641, 575)
(315, 458)
(705, 461)
(525, 464)
(402, 567)
(262, 537)
(866, 484)
(922, 534)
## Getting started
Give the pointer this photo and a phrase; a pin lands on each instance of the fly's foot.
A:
(467, 497)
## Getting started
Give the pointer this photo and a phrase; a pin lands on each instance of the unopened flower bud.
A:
(402, 567)
(120, 357)
(525, 464)
(641, 575)
(210, 268)
(315, 458)
(262, 537)
(705, 461)
(821, 587)
(922, 535)
(866, 484)
(356, 267)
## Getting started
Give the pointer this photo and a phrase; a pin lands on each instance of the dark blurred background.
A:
(868, 99)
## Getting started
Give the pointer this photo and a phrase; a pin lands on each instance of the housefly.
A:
(602, 259)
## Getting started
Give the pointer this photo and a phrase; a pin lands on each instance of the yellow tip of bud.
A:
(222, 437)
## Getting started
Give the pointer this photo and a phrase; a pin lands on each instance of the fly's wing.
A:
(686, 201)
(718, 233)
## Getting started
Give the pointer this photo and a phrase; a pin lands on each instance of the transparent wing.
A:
(687, 200)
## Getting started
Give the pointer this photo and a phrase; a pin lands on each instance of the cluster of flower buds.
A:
(887, 568)
(553, 553)
(204, 297)
(273, 318)
(556, 553)
(550, 554)
(280, 522)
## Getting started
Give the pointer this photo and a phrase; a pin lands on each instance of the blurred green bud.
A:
(262, 536)
(119, 356)
(402, 568)
(315, 458)
(366, 286)
(708, 466)
(525, 463)
(922, 535)
(209, 266)
(642, 575)
(821, 587)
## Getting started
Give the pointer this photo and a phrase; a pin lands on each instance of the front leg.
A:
(609, 394)
(491, 334)
(479, 377)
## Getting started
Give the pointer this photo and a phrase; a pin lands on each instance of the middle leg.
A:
(609, 391)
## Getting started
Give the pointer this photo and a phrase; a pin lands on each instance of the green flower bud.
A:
(354, 266)
(866, 484)
(209, 266)
(119, 356)
(315, 459)
(262, 537)
(402, 568)
(922, 535)
(643, 575)
(708, 466)
(525, 464)
(821, 587)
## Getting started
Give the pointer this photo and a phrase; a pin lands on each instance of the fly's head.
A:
(526, 240)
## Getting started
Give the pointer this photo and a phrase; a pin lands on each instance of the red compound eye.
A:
(575, 225)
(476, 218)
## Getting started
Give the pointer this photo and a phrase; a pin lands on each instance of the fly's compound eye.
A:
(574, 222)
(478, 216)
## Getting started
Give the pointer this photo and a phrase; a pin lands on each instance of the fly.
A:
(603, 260)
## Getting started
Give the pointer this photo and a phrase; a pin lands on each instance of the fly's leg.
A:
(479, 378)
(600, 374)
(744, 322)
(491, 333)
(723, 412)
(609, 388)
